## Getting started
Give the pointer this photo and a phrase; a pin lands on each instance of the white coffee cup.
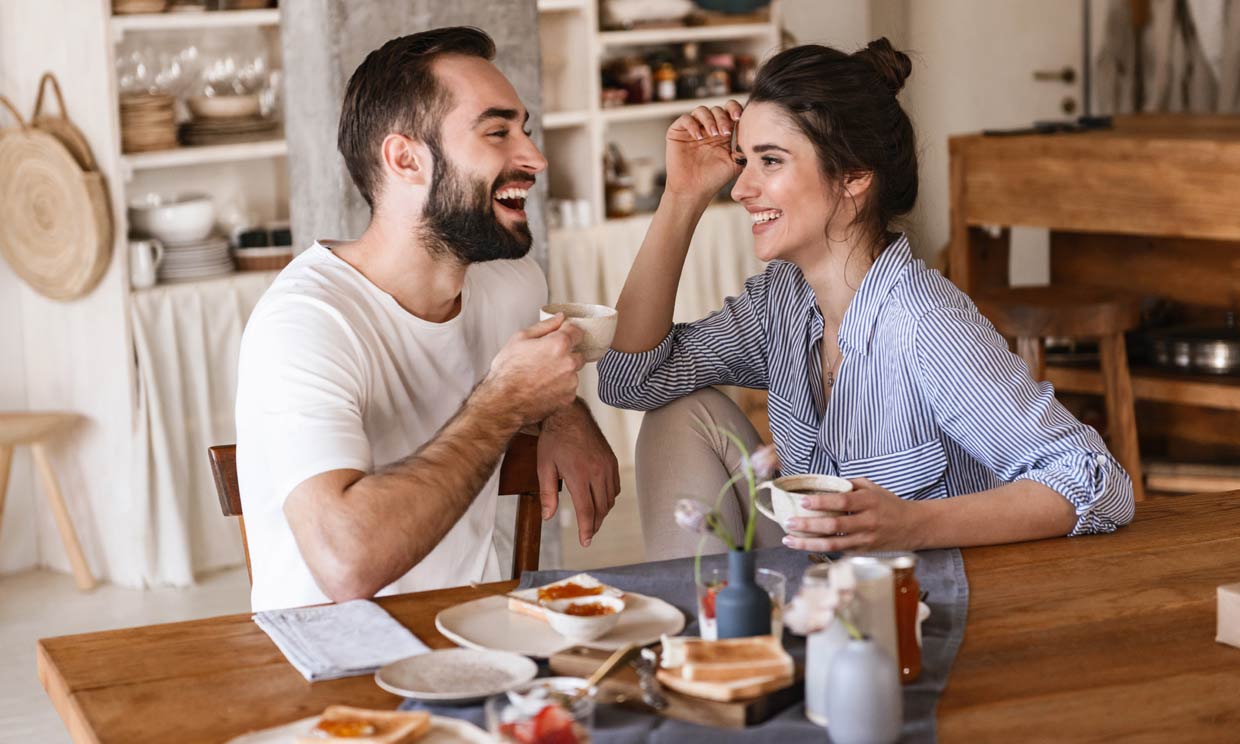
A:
(597, 323)
(786, 493)
(144, 259)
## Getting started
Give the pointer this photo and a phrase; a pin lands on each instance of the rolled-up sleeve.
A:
(984, 398)
(727, 347)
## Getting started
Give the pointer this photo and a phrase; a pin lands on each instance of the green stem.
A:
(697, 561)
(752, 523)
(720, 531)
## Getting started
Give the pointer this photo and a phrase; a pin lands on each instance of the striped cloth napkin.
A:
(341, 640)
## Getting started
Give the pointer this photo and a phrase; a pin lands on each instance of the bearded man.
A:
(381, 380)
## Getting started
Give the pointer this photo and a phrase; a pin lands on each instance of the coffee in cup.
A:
(784, 501)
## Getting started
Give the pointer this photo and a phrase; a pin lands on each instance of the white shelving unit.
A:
(576, 127)
(122, 24)
(241, 172)
(186, 156)
(682, 35)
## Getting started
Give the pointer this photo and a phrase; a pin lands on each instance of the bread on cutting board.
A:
(727, 670)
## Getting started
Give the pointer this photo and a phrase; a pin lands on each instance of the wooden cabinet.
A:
(1151, 206)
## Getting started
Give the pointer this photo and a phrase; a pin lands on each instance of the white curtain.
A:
(591, 265)
(186, 340)
(1187, 54)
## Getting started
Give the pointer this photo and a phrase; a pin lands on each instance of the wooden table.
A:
(1103, 638)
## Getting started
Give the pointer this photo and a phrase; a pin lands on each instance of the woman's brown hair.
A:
(846, 105)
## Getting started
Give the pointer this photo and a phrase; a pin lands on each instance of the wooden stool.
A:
(36, 429)
(1030, 314)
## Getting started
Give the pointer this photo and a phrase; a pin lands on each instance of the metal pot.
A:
(1197, 349)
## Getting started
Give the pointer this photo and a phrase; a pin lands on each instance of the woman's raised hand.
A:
(699, 150)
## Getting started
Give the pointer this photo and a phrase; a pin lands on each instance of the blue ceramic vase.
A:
(742, 608)
(864, 703)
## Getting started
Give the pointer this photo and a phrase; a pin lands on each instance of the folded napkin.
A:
(342, 640)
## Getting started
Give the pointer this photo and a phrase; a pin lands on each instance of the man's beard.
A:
(460, 220)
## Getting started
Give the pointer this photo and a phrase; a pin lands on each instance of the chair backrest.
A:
(517, 476)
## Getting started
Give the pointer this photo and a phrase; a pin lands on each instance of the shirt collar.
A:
(857, 327)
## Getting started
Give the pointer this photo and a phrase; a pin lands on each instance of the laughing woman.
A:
(878, 369)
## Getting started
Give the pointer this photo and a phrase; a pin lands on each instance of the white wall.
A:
(972, 69)
(843, 24)
(72, 356)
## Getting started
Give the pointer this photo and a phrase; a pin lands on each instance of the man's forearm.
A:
(399, 514)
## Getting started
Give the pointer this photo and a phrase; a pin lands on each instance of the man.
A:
(377, 392)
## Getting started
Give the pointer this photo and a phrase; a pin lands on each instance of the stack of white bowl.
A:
(185, 224)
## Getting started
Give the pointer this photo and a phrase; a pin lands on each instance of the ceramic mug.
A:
(597, 323)
(786, 494)
(144, 259)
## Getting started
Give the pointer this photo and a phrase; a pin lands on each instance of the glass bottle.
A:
(692, 83)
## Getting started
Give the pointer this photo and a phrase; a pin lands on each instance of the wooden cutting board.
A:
(624, 689)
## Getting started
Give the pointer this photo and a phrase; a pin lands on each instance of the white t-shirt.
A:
(334, 374)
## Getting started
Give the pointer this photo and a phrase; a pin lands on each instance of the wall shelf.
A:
(123, 24)
(562, 119)
(183, 156)
(1155, 385)
(682, 34)
(667, 109)
(560, 6)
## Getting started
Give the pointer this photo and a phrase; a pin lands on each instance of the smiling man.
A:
(382, 379)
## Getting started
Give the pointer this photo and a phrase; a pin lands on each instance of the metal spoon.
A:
(607, 668)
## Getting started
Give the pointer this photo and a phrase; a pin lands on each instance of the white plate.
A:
(487, 623)
(443, 731)
(455, 675)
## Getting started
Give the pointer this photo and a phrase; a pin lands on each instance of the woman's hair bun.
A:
(893, 67)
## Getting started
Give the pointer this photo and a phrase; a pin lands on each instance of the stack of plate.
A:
(202, 259)
(224, 131)
(148, 122)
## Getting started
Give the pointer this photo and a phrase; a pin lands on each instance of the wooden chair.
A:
(1031, 314)
(517, 476)
(36, 429)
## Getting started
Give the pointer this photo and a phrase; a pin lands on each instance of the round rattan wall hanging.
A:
(55, 224)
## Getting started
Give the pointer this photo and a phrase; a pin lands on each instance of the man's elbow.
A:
(344, 576)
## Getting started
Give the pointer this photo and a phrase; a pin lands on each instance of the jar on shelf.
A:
(619, 196)
(665, 82)
(719, 77)
(638, 80)
(746, 73)
(692, 78)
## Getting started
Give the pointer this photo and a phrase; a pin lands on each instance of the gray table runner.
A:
(940, 573)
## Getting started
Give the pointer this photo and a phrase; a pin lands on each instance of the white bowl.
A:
(224, 107)
(583, 627)
(597, 322)
(173, 218)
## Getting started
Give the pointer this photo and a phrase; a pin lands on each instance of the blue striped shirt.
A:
(928, 402)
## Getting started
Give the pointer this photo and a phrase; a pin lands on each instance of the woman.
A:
(878, 369)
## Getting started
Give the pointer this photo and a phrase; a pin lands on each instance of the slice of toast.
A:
(587, 582)
(724, 692)
(697, 660)
(389, 726)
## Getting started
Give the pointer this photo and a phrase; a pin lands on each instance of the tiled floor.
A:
(37, 604)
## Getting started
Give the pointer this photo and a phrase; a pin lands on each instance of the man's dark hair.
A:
(394, 90)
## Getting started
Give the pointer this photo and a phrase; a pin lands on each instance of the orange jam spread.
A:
(589, 609)
(567, 591)
(346, 728)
